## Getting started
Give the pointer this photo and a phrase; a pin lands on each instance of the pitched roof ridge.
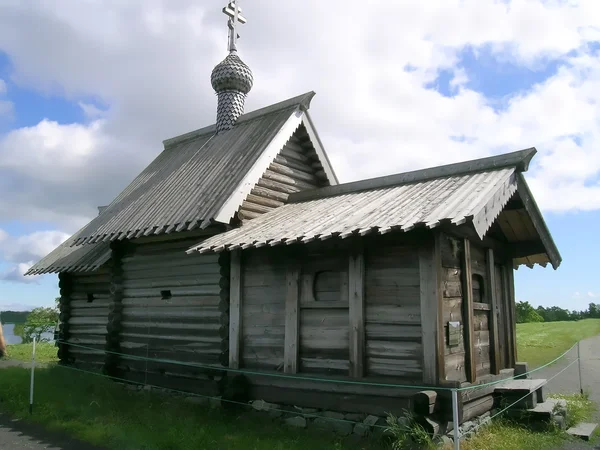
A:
(302, 100)
(519, 160)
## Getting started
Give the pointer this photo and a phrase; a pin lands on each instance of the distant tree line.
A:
(527, 313)
(13, 316)
(35, 323)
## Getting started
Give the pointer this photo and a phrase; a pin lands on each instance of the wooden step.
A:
(583, 430)
(542, 411)
(522, 387)
(521, 394)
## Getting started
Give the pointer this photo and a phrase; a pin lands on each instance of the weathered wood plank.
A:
(468, 311)
(441, 306)
(512, 315)
(292, 321)
(235, 309)
(356, 295)
(492, 298)
(429, 313)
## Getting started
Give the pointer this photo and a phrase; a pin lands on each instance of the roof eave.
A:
(538, 222)
(519, 160)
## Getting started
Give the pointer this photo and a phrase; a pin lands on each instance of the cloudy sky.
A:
(90, 88)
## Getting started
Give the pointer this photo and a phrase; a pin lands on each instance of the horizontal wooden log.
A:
(173, 302)
(295, 164)
(293, 173)
(394, 350)
(321, 365)
(162, 271)
(188, 313)
(255, 207)
(245, 214)
(86, 320)
(176, 281)
(424, 402)
(270, 194)
(406, 368)
(393, 314)
(285, 179)
(89, 312)
(277, 186)
(264, 201)
(295, 151)
(393, 333)
(478, 392)
(175, 291)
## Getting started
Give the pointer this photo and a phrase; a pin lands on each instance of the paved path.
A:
(568, 381)
(19, 435)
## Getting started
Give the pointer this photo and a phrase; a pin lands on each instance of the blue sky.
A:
(85, 105)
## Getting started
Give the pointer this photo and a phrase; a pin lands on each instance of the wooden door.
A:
(324, 315)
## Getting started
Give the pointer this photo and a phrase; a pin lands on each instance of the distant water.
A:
(10, 338)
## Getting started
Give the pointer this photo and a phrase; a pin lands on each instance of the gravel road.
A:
(568, 381)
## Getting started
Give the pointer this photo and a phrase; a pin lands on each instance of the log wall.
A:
(170, 311)
(481, 311)
(263, 310)
(393, 313)
(324, 313)
(294, 169)
(452, 292)
(84, 314)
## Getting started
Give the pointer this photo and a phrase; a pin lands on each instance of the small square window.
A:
(90, 297)
(165, 295)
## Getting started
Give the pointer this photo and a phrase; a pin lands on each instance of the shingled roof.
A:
(198, 179)
(474, 191)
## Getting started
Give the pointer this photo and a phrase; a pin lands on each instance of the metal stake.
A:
(455, 419)
(579, 365)
(31, 385)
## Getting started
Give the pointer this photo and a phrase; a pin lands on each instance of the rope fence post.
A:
(455, 419)
(579, 366)
(31, 384)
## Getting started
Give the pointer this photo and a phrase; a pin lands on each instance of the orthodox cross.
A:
(234, 12)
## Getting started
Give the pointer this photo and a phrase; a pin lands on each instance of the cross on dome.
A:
(234, 12)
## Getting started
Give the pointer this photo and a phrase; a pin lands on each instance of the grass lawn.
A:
(539, 343)
(99, 411)
(44, 352)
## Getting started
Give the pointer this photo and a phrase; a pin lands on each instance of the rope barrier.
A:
(193, 394)
(526, 395)
(305, 378)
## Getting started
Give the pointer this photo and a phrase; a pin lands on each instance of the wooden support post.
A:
(235, 309)
(441, 339)
(493, 320)
(469, 330)
(292, 319)
(512, 329)
(430, 313)
(356, 296)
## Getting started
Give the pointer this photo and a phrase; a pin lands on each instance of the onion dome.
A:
(232, 74)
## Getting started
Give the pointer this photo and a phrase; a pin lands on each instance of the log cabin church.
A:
(238, 248)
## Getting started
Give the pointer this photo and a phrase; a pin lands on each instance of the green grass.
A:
(506, 435)
(99, 411)
(539, 343)
(44, 352)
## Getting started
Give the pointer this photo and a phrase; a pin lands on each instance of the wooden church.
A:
(238, 248)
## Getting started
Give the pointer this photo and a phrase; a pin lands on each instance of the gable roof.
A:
(474, 191)
(198, 179)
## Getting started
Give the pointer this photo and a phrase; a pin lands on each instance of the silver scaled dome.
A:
(232, 74)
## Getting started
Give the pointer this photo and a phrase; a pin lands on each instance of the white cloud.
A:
(6, 106)
(23, 251)
(150, 62)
